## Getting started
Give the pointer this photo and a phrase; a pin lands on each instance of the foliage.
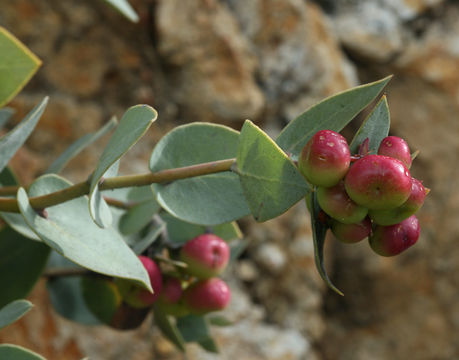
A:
(203, 177)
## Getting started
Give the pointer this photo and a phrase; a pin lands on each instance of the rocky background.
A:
(267, 60)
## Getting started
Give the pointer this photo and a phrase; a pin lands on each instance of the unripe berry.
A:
(392, 240)
(207, 295)
(325, 158)
(397, 148)
(338, 205)
(169, 300)
(408, 208)
(206, 255)
(351, 233)
(137, 296)
(378, 182)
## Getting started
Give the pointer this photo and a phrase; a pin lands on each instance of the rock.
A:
(214, 70)
(376, 30)
(300, 60)
(265, 342)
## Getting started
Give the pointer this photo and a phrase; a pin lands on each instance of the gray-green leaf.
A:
(375, 128)
(69, 230)
(319, 230)
(333, 113)
(11, 142)
(133, 125)
(270, 180)
(13, 311)
(209, 199)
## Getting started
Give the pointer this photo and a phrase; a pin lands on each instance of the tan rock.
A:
(214, 69)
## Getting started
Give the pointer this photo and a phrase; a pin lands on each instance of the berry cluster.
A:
(366, 195)
(197, 290)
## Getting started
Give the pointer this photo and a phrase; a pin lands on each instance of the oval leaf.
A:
(333, 113)
(21, 263)
(14, 311)
(133, 125)
(78, 146)
(11, 142)
(17, 66)
(375, 128)
(319, 229)
(270, 180)
(69, 230)
(14, 352)
(209, 199)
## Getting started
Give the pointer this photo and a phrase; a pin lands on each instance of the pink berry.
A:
(206, 255)
(207, 295)
(137, 296)
(378, 182)
(338, 205)
(392, 240)
(408, 208)
(397, 148)
(351, 233)
(325, 158)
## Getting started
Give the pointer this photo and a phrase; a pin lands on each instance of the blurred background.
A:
(266, 60)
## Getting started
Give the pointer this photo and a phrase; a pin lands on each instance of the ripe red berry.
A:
(378, 182)
(351, 233)
(408, 208)
(397, 148)
(207, 295)
(392, 240)
(137, 296)
(338, 205)
(325, 158)
(206, 255)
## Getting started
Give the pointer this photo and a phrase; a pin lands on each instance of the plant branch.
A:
(82, 188)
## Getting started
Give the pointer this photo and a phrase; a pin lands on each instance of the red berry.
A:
(397, 148)
(351, 233)
(325, 158)
(392, 240)
(378, 182)
(408, 208)
(206, 255)
(338, 205)
(137, 296)
(207, 295)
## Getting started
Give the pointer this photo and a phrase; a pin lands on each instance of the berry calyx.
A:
(135, 295)
(408, 208)
(351, 233)
(378, 182)
(338, 205)
(207, 295)
(325, 158)
(392, 240)
(397, 148)
(206, 255)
